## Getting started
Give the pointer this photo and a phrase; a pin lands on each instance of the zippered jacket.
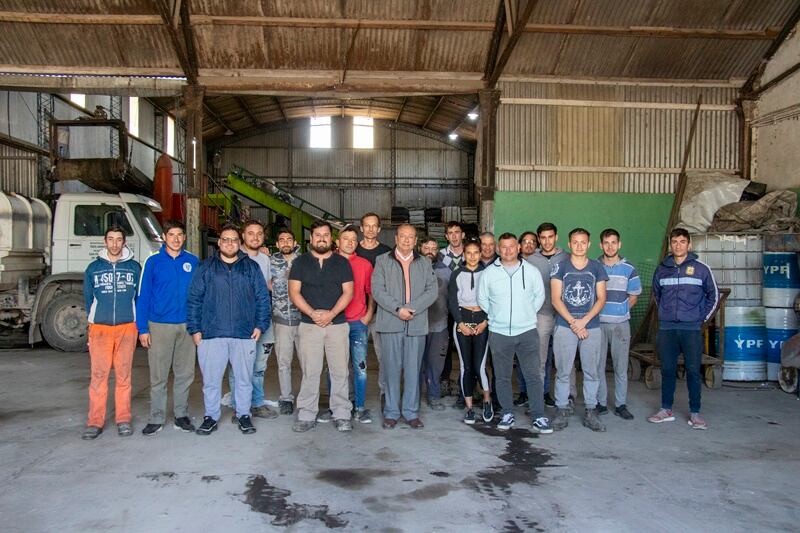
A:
(163, 288)
(228, 300)
(511, 301)
(686, 294)
(389, 292)
(109, 289)
(463, 289)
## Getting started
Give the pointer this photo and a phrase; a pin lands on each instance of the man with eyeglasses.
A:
(528, 242)
(227, 310)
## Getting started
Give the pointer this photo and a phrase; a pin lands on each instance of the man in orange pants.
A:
(109, 288)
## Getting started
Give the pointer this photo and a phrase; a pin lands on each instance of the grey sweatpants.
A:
(436, 345)
(214, 356)
(171, 346)
(402, 358)
(286, 341)
(619, 336)
(526, 347)
(565, 344)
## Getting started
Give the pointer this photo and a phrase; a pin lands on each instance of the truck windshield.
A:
(147, 221)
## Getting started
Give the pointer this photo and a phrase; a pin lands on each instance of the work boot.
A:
(592, 421)
(561, 420)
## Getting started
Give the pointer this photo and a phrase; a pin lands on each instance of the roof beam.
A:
(402, 107)
(433, 111)
(497, 70)
(183, 47)
(280, 108)
(497, 35)
(244, 107)
(216, 117)
(749, 85)
(767, 34)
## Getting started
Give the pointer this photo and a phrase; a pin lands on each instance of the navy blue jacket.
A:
(109, 289)
(686, 294)
(228, 300)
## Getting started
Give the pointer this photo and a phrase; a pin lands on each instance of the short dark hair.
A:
(454, 224)
(578, 231)
(506, 235)
(370, 214)
(284, 230)
(172, 224)
(522, 235)
(252, 222)
(229, 227)
(426, 239)
(474, 243)
(609, 232)
(115, 229)
(319, 223)
(349, 229)
(546, 226)
(680, 232)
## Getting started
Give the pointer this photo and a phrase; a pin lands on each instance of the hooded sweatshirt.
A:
(511, 300)
(109, 289)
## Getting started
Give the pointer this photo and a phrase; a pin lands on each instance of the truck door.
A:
(88, 229)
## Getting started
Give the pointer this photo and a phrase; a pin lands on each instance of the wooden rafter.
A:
(185, 52)
(433, 111)
(216, 117)
(497, 35)
(244, 107)
(402, 107)
(280, 108)
(793, 20)
(511, 44)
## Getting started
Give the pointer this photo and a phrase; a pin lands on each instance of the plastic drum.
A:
(745, 344)
(781, 280)
(781, 326)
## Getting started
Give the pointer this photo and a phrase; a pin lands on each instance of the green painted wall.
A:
(641, 219)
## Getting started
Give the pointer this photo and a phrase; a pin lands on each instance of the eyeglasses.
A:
(229, 240)
(528, 241)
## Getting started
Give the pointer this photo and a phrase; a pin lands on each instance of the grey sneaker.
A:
(91, 433)
(343, 425)
(286, 407)
(436, 404)
(301, 426)
(124, 429)
(542, 425)
(592, 421)
(263, 412)
(363, 416)
(561, 420)
(325, 416)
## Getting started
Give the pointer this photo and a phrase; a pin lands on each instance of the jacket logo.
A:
(690, 270)
(187, 267)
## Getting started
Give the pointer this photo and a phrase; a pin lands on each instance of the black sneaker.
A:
(548, 400)
(522, 399)
(286, 407)
(184, 424)
(460, 403)
(469, 417)
(623, 413)
(151, 429)
(208, 426)
(602, 409)
(246, 425)
(488, 412)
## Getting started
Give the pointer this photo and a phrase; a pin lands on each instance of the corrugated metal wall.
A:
(609, 138)
(349, 182)
(18, 171)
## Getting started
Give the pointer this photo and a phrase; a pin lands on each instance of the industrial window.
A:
(133, 115)
(320, 132)
(94, 220)
(170, 136)
(79, 99)
(363, 133)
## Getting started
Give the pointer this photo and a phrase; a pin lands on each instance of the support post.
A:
(193, 101)
(488, 100)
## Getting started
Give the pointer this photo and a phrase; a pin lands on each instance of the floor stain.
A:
(158, 476)
(523, 462)
(351, 478)
(265, 498)
(512, 526)
(209, 479)
(428, 492)
(439, 473)
(387, 455)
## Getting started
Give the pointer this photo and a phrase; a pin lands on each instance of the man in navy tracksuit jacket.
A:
(227, 309)
(687, 296)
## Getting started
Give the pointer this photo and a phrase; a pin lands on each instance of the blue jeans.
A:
(671, 343)
(263, 349)
(358, 356)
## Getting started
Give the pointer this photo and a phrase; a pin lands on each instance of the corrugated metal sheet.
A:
(360, 201)
(589, 149)
(430, 197)
(18, 171)
(271, 162)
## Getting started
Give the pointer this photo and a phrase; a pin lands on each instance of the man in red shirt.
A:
(358, 313)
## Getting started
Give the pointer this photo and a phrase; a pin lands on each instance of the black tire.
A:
(64, 325)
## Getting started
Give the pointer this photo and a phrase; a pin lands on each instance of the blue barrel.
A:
(781, 326)
(745, 344)
(781, 282)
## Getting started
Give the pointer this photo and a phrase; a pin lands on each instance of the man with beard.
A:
(438, 337)
(285, 316)
(528, 242)
(321, 287)
(227, 310)
(404, 287)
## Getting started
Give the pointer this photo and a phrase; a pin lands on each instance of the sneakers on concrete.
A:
(208, 426)
(488, 411)
(548, 400)
(469, 417)
(263, 411)
(325, 416)
(151, 429)
(286, 407)
(663, 415)
(697, 422)
(124, 429)
(542, 425)
(602, 410)
(301, 426)
(436, 404)
(561, 420)
(522, 399)
(592, 421)
(91, 433)
(507, 422)
(246, 425)
(363, 416)
(623, 413)
(184, 424)
(343, 425)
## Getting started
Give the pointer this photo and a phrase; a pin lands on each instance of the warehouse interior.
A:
(499, 113)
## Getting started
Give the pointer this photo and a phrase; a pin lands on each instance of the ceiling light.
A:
(228, 132)
(453, 136)
(472, 115)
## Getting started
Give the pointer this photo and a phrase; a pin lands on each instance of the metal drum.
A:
(745, 344)
(781, 279)
(781, 326)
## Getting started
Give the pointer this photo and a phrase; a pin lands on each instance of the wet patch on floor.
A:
(428, 492)
(209, 479)
(351, 478)
(387, 455)
(265, 498)
(439, 473)
(520, 525)
(523, 462)
(158, 476)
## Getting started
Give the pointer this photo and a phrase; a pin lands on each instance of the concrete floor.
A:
(740, 475)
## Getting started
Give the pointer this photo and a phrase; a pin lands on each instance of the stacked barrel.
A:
(781, 287)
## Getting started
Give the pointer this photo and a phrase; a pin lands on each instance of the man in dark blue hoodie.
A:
(227, 309)
(161, 321)
(109, 289)
(687, 296)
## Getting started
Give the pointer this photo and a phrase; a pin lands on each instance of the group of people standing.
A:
(503, 303)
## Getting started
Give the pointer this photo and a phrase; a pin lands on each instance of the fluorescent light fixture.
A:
(472, 115)
(453, 136)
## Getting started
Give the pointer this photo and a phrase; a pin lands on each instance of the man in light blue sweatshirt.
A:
(511, 291)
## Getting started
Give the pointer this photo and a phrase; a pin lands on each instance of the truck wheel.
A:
(64, 325)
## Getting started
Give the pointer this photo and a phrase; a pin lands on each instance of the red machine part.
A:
(162, 188)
